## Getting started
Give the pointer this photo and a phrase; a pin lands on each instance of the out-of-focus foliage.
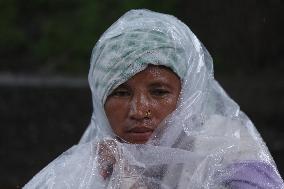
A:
(57, 36)
(48, 36)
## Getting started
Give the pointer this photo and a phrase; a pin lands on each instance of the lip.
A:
(140, 130)
(140, 134)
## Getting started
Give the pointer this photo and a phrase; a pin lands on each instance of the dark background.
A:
(45, 47)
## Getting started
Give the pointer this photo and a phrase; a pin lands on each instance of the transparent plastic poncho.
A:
(207, 142)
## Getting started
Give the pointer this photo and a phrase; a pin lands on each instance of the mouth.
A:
(140, 130)
(140, 134)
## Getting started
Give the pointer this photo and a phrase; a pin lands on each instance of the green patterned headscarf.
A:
(127, 48)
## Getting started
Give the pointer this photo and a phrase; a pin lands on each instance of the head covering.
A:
(132, 43)
(207, 142)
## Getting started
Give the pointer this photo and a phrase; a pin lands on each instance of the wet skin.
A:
(135, 108)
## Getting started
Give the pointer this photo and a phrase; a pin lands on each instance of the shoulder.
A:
(68, 170)
(253, 174)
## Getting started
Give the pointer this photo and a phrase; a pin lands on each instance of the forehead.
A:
(154, 74)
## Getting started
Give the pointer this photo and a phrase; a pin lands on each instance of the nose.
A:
(139, 107)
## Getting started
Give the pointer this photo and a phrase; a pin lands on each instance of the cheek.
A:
(165, 107)
(115, 108)
(116, 113)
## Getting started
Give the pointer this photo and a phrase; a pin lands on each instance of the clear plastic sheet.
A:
(207, 142)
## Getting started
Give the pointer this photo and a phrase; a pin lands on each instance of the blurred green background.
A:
(45, 39)
(56, 36)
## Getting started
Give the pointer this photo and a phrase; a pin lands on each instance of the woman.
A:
(160, 119)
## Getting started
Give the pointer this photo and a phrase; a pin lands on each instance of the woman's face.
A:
(135, 108)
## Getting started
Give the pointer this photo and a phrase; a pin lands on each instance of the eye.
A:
(120, 93)
(159, 92)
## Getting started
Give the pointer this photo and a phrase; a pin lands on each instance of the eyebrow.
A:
(123, 85)
(159, 84)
